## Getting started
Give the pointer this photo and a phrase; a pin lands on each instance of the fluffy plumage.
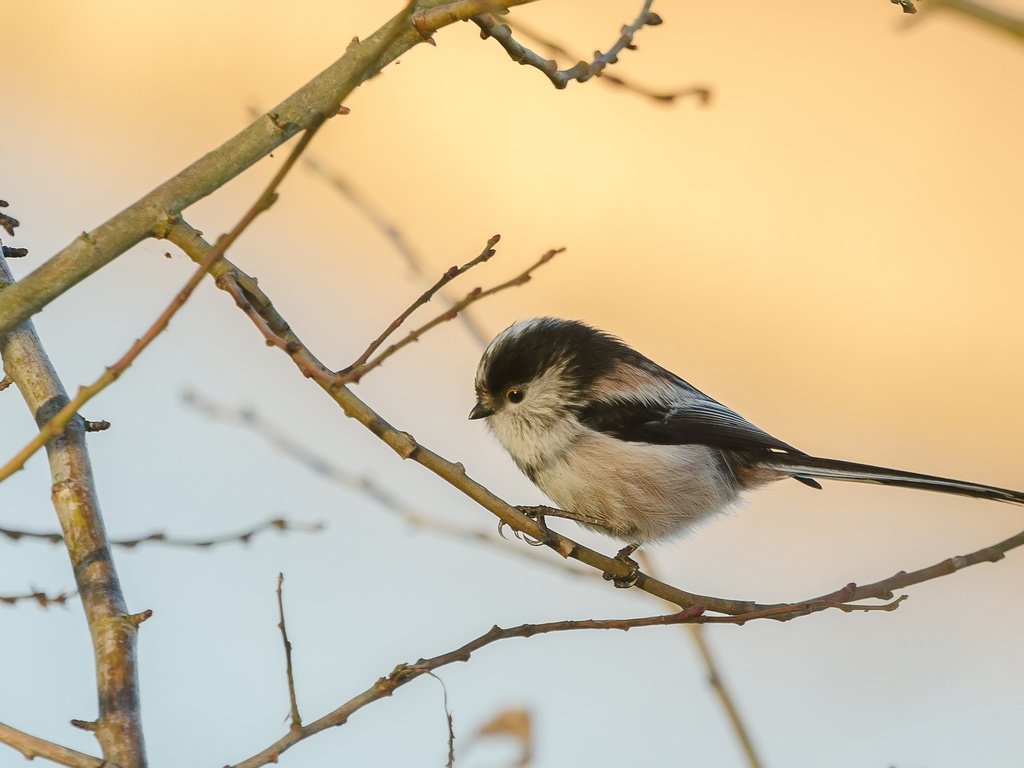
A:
(625, 446)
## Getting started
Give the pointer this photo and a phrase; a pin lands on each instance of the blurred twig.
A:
(347, 189)
(363, 484)
(161, 537)
(426, 296)
(700, 92)
(698, 637)
(41, 599)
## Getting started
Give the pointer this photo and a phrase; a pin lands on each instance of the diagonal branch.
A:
(112, 629)
(32, 747)
(316, 100)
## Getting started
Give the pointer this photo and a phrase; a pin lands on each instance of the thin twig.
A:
(355, 373)
(448, 719)
(296, 719)
(32, 747)
(41, 599)
(405, 673)
(56, 424)
(427, 295)
(907, 6)
(5, 382)
(580, 72)
(162, 537)
(699, 92)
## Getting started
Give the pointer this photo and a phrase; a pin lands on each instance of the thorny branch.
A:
(583, 70)
(162, 537)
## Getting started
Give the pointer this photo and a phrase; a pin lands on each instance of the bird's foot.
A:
(535, 513)
(623, 556)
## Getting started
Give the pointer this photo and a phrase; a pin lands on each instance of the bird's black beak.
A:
(480, 411)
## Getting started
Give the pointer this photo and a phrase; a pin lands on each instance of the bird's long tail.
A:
(803, 467)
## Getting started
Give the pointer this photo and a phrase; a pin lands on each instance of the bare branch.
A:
(907, 6)
(32, 747)
(56, 424)
(10, 252)
(5, 382)
(354, 374)
(316, 100)
(162, 537)
(583, 70)
(697, 636)
(427, 295)
(699, 92)
(405, 673)
(293, 704)
(113, 632)
(41, 599)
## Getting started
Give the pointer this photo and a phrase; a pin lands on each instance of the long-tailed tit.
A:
(628, 448)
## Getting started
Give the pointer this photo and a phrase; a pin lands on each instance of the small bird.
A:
(626, 447)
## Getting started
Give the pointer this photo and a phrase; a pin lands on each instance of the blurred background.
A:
(832, 247)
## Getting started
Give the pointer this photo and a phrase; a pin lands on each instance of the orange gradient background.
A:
(832, 247)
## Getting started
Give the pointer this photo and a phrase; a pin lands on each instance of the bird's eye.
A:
(514, 395)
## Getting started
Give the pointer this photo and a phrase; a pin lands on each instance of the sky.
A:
(831, 247)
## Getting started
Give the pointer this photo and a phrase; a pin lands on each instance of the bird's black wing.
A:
(697, 420)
